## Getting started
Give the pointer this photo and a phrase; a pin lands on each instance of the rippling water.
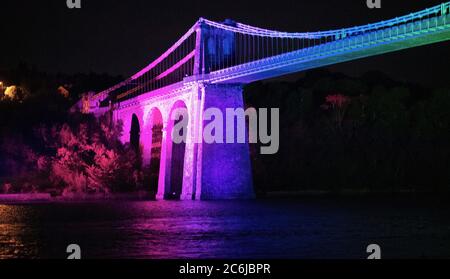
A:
(301, 228)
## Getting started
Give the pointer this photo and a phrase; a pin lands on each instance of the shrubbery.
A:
(43, 148)
(82, 156)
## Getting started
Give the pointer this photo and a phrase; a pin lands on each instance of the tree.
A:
(338, 105)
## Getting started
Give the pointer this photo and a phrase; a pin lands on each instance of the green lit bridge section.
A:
(423, 28)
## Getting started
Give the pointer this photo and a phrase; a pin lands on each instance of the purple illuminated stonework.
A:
(226, 166)
(210, 171)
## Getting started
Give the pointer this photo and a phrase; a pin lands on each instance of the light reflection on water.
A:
(303, 228)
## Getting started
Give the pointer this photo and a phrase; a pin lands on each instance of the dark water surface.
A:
(280, 228)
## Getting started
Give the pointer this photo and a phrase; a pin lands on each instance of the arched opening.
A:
(155, 158)
(135, 132)
(177, 148)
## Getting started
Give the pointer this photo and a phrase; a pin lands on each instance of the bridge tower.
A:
(223, 169)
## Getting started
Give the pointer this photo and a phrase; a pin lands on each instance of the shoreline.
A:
(26, 198)
(48, 198)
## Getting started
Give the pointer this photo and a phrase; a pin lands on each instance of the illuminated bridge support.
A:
(225, 167)
(203, 170)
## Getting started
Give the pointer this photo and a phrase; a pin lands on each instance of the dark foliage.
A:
(389, 136)
(44, 148)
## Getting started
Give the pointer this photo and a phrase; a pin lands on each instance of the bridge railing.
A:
(230, 44)
(256, 31)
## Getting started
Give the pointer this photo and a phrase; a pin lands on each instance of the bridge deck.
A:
(424, 32)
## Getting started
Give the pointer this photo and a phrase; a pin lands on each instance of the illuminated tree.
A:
(338, 104)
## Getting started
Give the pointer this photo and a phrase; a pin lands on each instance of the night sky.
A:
(120, 37)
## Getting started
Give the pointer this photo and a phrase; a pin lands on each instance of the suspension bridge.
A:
(208, 66)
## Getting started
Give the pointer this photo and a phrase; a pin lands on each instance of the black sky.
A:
(120, 37)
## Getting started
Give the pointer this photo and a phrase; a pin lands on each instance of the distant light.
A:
(11, 91)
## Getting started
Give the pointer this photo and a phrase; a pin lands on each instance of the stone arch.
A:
(156, 122)
(135, 133)
(175, 151)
